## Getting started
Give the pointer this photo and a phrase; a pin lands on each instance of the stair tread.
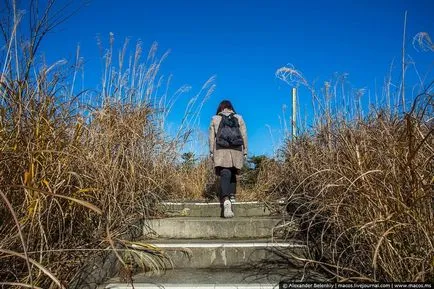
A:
(209, 209)
(220, 276)
(223, 242)
(169, 203)
(190, 227)
(220, 219)
(219, 240)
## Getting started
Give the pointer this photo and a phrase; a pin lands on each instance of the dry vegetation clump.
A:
(197, 180)
(79, 171)
(258, 179)
(192, 179)
(363, 193)
(73, 183)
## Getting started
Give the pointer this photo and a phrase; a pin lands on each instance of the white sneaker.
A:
(227, 209)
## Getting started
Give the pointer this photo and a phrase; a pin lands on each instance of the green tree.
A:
(188, 160)
(250, 171)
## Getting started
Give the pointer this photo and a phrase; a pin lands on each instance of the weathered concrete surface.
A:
(233, 278)
(207, 251)
(202, 209)
(97, 270)
(211, 227)
(223, 253)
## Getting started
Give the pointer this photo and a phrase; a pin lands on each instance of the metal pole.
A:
(403, 63)
(294, 112)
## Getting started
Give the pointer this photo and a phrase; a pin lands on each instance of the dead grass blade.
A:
(20, 233)
(35, 263)
(19, 285)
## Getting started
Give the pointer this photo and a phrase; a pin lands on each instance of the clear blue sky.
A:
(244, 42)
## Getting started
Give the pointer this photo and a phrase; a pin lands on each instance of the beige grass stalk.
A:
(362, 202)
(36, 264)
(62, 171)
(12, 39)
(20, 233)
(19, 285)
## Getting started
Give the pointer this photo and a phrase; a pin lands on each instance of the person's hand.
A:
(211, 155)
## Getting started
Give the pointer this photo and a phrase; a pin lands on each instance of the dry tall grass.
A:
(79, 171)
(75, 180)
(362, 189)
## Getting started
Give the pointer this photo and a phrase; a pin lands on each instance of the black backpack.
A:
(228, 133)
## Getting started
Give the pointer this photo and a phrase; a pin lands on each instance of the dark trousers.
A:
(228, 181)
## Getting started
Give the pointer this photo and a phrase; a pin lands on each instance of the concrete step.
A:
(222, 253)
(203, 209)
(212, 227)
(197, 279)
(231, 278)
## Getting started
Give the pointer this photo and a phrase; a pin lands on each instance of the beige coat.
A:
(227, 158)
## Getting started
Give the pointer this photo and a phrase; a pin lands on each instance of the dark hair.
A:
(225, 104)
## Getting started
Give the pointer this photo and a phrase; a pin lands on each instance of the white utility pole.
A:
(294, 113)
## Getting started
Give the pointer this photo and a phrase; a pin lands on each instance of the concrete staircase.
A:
(207, 251)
